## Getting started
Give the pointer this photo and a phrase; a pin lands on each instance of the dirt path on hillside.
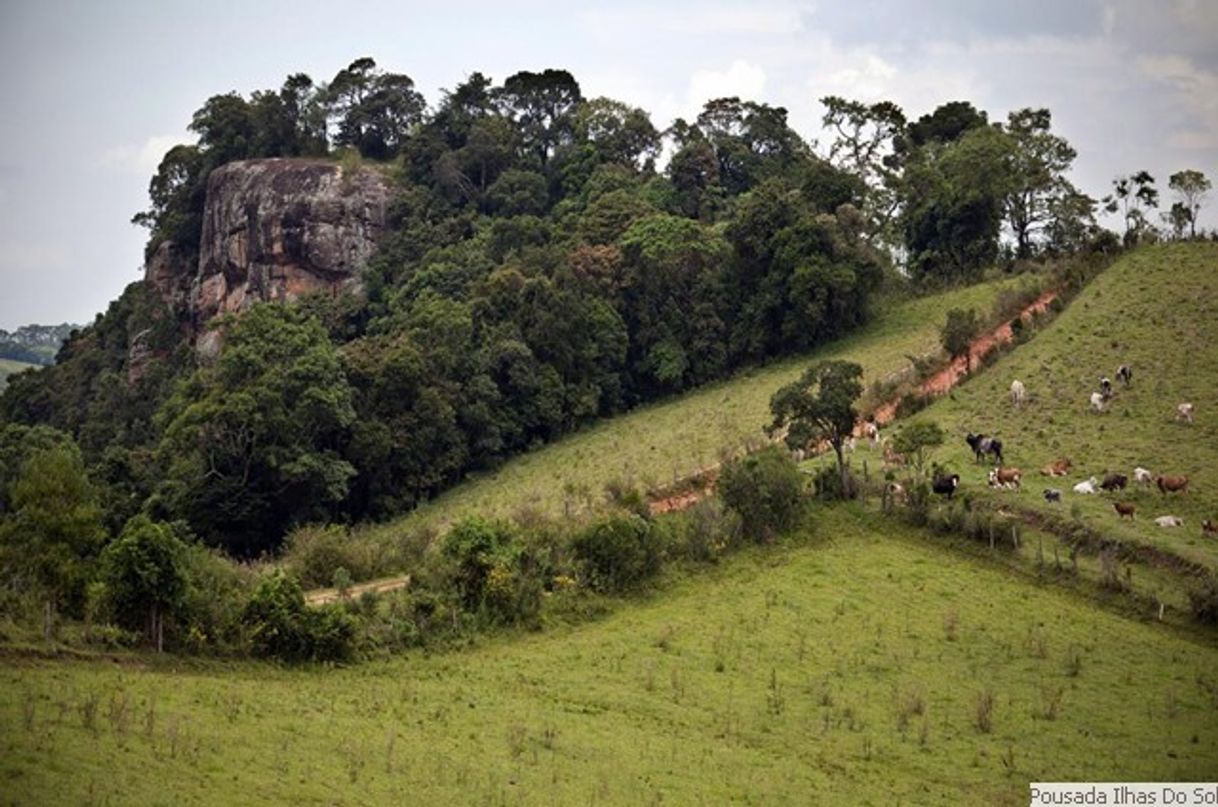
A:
(936, 385)
(325, 596)
(951, 375)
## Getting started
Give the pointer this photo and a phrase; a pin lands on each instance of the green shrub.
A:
(764, 489)
(704, 531)
(281, 626)
(315, 552)
(1203, 601)
(617, 553)
(492, 572)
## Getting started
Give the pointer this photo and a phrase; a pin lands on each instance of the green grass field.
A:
(1157, 310)
(852, 668)
(657, 443)
(9, 367)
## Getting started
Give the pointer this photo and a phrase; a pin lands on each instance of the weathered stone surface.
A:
(276, 229)
(168, 273)
(273, 229)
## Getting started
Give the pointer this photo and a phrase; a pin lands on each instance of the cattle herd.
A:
(989, 448)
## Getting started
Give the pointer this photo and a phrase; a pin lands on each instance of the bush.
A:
(281, 625)
(704, 531)
(828, 484)
(314, 552)
(1203, 602)
(617, 553)
(764, 489)
(493, 574)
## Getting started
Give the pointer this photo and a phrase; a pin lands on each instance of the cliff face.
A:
(273, 229)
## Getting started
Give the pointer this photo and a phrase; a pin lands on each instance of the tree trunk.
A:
(841, 466)
(48, 610)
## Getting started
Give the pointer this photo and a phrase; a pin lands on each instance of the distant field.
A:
(849, 670)
(9, 367)
(1157, 310)
(655, 444)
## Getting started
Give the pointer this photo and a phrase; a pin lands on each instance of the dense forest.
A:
(552, 259)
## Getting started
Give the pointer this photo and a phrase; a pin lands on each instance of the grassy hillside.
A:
(782, 676)
(9, 367)
(655, 444)
(1157, 310)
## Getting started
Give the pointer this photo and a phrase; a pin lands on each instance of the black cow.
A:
(1114, 482)
(983, 445)
(1106, 387)
(946, 485)
(1053, 495)
(1125, 374)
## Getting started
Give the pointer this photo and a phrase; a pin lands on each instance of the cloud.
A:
(141, 159)
(741, 79)
(1195, 93)
(783, 18)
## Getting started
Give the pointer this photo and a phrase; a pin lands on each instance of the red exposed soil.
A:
(950, 376)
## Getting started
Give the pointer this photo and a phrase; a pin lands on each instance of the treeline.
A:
(542, 271)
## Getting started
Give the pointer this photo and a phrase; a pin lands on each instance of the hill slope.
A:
(9, 367)
(656, 443)
(1157, 310)
(783, 676)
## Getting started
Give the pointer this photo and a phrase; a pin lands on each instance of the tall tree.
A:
(866, 137)
(375, 111)
(1132, 196)
(1190, 187)
(252, 443)
(620, 133)
(543, 106)
(958, 333)
(820, 406)
(55, 528)
(145, 574)
(1040, 161)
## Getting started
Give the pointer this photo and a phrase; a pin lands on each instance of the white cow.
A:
(1142, 476)
(1184, 412)
(1169, 521)
(1018, 393)
(1097, 402)
(872, 432)
(1086, 486)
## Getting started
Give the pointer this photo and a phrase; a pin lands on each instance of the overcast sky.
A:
(94, 93)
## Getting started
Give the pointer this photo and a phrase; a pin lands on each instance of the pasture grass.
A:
(1155, 309)
(859, 663)
(10, 367)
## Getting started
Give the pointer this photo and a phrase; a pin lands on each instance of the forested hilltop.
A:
(547, 259)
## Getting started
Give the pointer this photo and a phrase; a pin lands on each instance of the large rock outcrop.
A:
(273, 229)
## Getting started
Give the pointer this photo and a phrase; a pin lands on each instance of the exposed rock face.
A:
(273, 229)
(276, 229)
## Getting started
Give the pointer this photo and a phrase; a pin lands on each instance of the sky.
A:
(95, 93)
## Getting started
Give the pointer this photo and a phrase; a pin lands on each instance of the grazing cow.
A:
(1125, 374)
(1018, 393)
(1169, 521)
(1209, 526)
(946, 485)
(1124, 509)
(1172, 484)
(871, 432)
(1086, 486)
(1097, 402)
(1142, 476)
(1114, 482)
(983, 445)
(1052, 495)
(1184, 412)
(1005, 478)
(1056, 468)
(1105, 387)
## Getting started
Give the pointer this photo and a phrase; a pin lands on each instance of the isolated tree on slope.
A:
(1190, 187)
(820, 406)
